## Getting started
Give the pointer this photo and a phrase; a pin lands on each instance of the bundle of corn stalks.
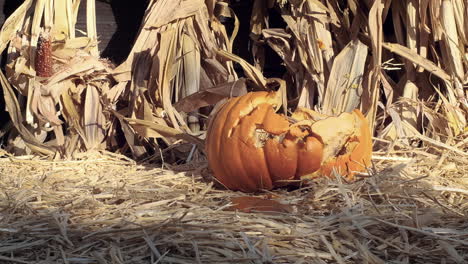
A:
(403, 63)
(62, 85)
(173, 57)
(62, 97)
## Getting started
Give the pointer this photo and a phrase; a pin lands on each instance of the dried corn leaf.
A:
(93, 119)
(371, 94)
(258, 22)
(451, 39)
(13, 23)
(166, 56)
(417, 59)
(344, 90)
(252, 73)
(16, 116)
(72, 10)
(211, 96)
(61, 20)
(278, 39)
(410, 90)
(166, 131)
(71, 113)
(79, 66)
(191, 73)
(91, 26)
(131, 138)
(43, 107)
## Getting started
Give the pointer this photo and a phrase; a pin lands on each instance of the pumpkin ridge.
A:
(241, 134)
(219, 169)
(224, 115)
(258, 170)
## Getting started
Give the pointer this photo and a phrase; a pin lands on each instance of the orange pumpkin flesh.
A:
(347, 145)
(250, 147)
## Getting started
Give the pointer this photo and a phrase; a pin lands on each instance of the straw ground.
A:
(105, 208)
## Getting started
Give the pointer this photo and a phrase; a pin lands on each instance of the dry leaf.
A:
(417, 59)
(211, 96)
(344, 90)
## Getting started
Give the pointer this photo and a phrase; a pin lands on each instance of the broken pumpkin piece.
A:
(302, 113)
(250, 147)
(355, 154)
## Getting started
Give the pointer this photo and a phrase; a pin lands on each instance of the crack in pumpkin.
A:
(261, 136)
(348, 147)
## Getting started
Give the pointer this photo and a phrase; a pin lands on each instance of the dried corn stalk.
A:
(60, 78)
(428, 37)
(174, 56)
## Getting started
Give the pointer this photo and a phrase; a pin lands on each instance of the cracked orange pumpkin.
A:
(250, 147)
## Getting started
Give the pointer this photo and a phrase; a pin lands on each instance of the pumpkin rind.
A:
(359, 159)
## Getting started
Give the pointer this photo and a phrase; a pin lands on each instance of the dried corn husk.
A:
(174, 56)
(61, 77)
